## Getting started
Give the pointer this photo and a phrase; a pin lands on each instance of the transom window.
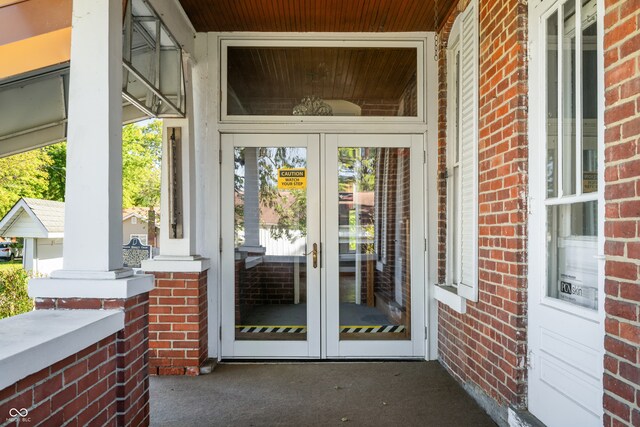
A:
(336, 80)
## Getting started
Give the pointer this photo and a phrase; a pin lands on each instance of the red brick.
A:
(80, 303)
(33, 379)
(616, 407)
(75, 371)
(630, 332)
(621, 270)
(48, 387)
(621, 349)
(618, 387)
(64, 396)
(170, 371)
(630, 291)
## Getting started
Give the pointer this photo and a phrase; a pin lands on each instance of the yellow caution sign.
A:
(292, 179)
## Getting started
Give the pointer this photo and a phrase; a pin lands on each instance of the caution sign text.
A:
(292, 179)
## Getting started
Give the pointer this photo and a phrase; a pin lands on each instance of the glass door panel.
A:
(373, 294)
(270, 241)
(270, 232)
(374, 251)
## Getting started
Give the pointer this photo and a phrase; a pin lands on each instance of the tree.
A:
(23, 175)
(141, 164)
(290, 206)
(57, 171)
(41, 173)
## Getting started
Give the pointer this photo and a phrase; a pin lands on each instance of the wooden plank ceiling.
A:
(331, 73)
(316, 15)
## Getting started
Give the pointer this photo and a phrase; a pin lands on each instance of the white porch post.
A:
(92, 250)
(182, 249)
(93, 208)
(251, 201)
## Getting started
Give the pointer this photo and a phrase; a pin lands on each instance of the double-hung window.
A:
(571, 163)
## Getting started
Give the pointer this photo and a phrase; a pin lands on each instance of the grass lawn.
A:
(6, 265)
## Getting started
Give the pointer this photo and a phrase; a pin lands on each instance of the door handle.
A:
(314, 253)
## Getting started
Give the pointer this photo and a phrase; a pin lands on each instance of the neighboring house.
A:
(136, 223)
(41, 224)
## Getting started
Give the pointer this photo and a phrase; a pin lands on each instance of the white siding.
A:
(24, 226)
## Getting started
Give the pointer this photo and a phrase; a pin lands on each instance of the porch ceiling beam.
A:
(176, 21)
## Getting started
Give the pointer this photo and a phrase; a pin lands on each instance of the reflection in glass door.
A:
(372, 232)
(270, 240)
(374, 235)
(358, 256)
(271, 272)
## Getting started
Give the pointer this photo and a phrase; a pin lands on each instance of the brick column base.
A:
(131, 344)
(178, 339)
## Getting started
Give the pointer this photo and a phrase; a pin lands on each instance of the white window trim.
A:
(391, 40)
(538, 200)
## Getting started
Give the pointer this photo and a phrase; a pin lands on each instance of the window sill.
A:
(448, 295)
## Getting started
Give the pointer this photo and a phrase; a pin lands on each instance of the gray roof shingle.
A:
(50, 213)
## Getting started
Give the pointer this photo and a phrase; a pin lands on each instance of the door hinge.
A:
(424, 157)
(220, 156)
(220, 330)
(426, 333)
(425, 244)
(529, 359)
(220, 245)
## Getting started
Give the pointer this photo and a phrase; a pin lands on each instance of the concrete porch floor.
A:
(316, 394)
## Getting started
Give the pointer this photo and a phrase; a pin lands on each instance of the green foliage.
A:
(289, 206)
(41, 173)
(23, 175)
(357, 164)
(141, 164)
(14, 299)
(57, 171)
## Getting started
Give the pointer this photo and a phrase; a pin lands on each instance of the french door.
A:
(318, 236)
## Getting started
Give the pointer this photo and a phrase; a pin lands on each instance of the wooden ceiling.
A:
(331, 73)
(316, 15)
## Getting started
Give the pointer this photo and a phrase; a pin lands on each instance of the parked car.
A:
(9, 251)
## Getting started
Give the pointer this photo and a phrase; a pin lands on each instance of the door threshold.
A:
(236, 361)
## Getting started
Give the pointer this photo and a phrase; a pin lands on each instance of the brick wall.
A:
(405, 106)
(267, 283)
(107, 382)
(81, 387)
(622, 206)
(485, 348)
(178, 336)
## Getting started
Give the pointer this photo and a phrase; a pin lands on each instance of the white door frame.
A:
(333, 347)
(230, 347)
(565, 342)
(321, 343)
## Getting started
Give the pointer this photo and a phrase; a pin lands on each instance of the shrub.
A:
(13, 292)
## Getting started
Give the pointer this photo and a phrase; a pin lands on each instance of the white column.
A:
(251, 199)
(179, 254)
(92, 265)
(93, 199)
